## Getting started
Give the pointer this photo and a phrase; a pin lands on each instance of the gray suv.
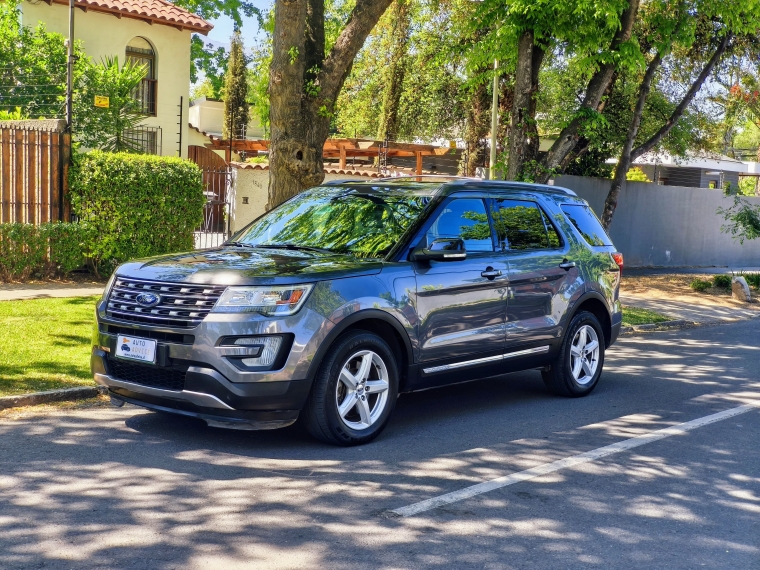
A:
(332, 304)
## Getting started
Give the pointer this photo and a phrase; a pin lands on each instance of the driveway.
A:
(107, 488)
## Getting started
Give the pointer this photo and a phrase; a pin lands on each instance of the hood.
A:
(249, 266)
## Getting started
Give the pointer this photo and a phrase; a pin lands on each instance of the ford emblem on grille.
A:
(148, 299)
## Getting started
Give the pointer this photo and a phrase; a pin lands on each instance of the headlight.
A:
(269, 301)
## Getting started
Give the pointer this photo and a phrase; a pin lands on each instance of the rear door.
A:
(542, 279)
(461, 304)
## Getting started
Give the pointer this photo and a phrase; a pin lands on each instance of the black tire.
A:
(320, 415)
(559, 377)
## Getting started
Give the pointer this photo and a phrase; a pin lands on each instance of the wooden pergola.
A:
(342, 149)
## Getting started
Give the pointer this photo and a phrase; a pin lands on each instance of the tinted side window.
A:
(519, 225)
(586, 222)
(463, 218)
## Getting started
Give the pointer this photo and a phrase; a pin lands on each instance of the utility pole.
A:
(70, 70)
(494, 120)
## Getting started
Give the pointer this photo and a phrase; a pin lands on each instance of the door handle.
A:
(567, 265)
(490, 273)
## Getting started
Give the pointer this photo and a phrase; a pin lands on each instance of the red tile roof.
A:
(151, 11)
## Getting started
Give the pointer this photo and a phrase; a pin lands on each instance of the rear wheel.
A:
(354, 391)
(576, 370)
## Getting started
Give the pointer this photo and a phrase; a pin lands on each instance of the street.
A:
(127, 488)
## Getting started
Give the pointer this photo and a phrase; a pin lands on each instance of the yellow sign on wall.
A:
(101, 101)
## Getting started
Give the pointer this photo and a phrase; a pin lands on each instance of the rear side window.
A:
(521, 225)
(586, 222)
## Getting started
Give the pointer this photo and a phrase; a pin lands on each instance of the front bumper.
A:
(208, 395)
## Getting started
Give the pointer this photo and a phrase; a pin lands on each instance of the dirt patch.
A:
(26, 411)
(675, 287)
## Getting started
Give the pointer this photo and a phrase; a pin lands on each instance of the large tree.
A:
(704, 31)
(304, 82)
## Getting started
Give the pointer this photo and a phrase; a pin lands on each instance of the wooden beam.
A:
(419, 163)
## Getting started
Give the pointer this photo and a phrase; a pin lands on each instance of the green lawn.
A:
(45, 344)
(635, 316)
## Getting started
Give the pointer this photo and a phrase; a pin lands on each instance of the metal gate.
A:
(215, 228)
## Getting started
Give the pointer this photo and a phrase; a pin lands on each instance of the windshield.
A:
(339, 220)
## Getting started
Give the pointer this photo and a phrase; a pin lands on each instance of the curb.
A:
(680, 325)
(66, 395)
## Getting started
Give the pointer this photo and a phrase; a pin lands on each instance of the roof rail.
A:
(437, 176)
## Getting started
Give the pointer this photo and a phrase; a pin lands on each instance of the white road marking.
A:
(571, 461)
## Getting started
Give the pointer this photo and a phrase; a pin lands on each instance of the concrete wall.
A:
(668, 225)
(208, 116)
(106, 35)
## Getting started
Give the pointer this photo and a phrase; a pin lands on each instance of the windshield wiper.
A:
(293, 246)
(238, 244)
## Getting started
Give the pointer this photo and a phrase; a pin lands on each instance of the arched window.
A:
(140, 51)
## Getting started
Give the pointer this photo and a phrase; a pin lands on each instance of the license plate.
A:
(133, 348)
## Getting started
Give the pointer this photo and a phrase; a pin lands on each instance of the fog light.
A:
(270, 346)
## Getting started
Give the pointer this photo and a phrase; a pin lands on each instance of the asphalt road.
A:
(108, 488)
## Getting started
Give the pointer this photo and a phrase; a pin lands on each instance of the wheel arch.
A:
(595, 304)
(380, 323)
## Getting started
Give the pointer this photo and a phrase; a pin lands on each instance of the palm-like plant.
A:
(109, 128)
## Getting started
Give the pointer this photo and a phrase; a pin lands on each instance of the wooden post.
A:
(419, 162)
(342, 157)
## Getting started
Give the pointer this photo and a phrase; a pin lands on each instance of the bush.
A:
(722, 281)
(700, 285)
(753, 279)
(136, 206)
(46, 250)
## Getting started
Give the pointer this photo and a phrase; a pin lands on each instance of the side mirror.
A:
(441, 249)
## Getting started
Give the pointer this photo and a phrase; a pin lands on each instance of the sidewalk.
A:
(48, 290)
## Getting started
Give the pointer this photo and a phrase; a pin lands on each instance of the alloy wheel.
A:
(361, 392)
(584, 355)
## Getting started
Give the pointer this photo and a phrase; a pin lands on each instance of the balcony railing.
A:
(145, 94)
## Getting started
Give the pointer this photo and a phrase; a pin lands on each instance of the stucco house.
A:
(152, 32)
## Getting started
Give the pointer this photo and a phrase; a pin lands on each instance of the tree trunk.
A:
(304, 84)
(521, 105)
(624, 163)
(476, 130)
(396, 69)
(595, 90)
(656, 138)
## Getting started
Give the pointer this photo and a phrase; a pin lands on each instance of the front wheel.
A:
(577, 368)
(354, 391)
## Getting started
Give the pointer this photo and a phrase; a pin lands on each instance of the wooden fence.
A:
(34, 159)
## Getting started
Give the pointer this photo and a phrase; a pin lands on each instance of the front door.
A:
(462, 304)
(541, 283)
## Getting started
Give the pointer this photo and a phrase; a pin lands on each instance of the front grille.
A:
(146, 333)
(182, 304)
(153, 376)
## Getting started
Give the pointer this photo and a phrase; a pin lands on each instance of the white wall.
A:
(208, 116)
(106, 35)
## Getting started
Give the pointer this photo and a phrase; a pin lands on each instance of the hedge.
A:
(41, 251)
(135, 205)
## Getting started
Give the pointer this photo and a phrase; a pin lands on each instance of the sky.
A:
(223, 27)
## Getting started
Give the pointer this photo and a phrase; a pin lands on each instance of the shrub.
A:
(55, 248)
(136, 206)
(722, 281)
(753, 279)
(635, 174)
(700, 285)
